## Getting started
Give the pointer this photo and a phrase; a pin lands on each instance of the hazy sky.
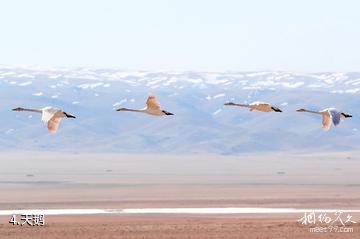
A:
(214, 35)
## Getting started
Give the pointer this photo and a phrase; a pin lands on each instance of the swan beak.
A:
(276, 109)
(346, 115)
(17, 109)
(69, 115)
(167, 113)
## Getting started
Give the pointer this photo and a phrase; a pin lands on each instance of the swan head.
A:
(346, 115)
(167, 113)
(18, 109)
(276, 109)
(69, 115)
(300, 110)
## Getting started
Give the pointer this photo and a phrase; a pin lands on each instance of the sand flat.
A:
(58, 181)
(173, 226)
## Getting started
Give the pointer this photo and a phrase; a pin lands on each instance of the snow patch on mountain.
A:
(201, 123)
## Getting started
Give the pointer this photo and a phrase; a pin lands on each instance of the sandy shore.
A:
(225, 226)
(55, 181)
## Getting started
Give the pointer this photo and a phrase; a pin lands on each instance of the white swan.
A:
(153, 108)
(328, 115)
(50, 115)
(257, 105)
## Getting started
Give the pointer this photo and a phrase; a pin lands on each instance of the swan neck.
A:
(241, 105)
(314, 112)
(33, 110)
(131, 110)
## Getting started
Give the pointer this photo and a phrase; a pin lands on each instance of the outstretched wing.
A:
(53, 124)
(335, 117)
(152, 103)
(48, 112)
(326, 120)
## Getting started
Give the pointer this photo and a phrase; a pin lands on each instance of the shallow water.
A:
(225, 210)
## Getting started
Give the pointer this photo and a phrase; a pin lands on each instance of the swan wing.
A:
(152, 103)
(48, 112)
(53, 124)
(326, 120)
(261, 106)
(335, 117)
(254, 103)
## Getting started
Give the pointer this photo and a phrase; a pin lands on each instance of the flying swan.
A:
(153, 108)
(328, 115)
(50, 115)
(257, 105)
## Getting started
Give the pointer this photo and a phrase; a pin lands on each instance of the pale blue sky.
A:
(213, 35)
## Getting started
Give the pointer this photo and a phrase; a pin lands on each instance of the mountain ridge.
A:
(202, 124)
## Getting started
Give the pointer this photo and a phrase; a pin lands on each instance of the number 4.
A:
(13, 220)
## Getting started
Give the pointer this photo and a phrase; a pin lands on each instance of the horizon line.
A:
(35, 67)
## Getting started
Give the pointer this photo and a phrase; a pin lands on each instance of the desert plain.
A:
(44, 180)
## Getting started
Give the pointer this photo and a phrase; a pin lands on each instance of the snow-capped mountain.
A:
(201, 122)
